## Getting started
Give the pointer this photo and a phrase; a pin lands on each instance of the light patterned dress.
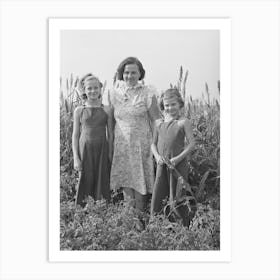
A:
(134, 108)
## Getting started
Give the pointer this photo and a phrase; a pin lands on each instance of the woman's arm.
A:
(153, 110)
(75, 139)
(191, 142)
(110, 130)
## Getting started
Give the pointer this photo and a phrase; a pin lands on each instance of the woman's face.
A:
(93, 89)
(131, 74)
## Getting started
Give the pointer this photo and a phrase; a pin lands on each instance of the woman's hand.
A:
(77, 164)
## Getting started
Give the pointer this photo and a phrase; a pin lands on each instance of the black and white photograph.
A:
(140, 139)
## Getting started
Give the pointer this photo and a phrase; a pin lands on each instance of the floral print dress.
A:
(132, 165)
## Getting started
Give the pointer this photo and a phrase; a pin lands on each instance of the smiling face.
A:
(131, 74)
(93, 89)
(172, 106)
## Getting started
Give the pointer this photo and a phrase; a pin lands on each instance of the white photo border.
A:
(58, 24)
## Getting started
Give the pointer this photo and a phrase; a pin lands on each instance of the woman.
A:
(135, 109)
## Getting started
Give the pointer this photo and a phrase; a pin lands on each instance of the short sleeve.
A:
(152, 103)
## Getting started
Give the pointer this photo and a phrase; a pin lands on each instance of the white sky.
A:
(161, 53)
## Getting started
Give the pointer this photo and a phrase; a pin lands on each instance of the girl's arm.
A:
(110, 130)
(157, 156)
(75, 139)
(191, 142)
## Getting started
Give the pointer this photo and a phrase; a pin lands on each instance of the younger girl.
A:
(173, 141)
(91, 150)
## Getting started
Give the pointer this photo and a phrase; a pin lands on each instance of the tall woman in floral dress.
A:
(135, 109)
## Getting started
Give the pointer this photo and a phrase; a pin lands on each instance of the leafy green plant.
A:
(103, 226)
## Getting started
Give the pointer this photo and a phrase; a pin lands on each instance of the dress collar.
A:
(125, 87)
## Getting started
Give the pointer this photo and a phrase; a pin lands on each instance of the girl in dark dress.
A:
(92, 143)
(173, 140)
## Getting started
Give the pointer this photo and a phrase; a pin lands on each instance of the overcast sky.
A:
(161, 53)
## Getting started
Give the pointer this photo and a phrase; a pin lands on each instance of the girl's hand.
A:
(174, 161)
(77, 164)
(159, 160)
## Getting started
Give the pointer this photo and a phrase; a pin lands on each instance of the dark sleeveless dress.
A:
(93, 149)
(170, 143)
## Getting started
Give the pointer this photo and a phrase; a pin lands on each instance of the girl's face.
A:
(171, 106)
(93, 89)
(131, 74)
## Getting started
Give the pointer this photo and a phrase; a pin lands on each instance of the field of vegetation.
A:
(117, 226)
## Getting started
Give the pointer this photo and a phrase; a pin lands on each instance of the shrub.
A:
(103, 226)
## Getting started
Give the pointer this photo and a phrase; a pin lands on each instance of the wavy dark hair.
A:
(127, 61)
(169, 94)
